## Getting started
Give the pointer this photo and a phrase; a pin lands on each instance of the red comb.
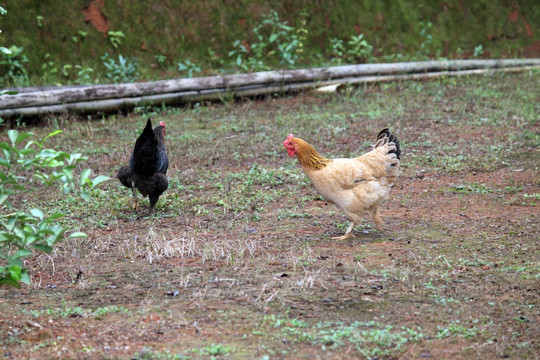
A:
(161, 123)
(288, 139)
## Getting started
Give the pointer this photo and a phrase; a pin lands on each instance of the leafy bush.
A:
(125, 71)
(356, 50)
(188, 66)
(83, 75)
(276, 41)
(12, 63)
(21, 232)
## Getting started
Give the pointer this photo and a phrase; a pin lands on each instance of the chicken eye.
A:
(290, 143)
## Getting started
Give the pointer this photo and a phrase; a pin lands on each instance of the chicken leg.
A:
(136, 204)
(377, 218)
(348, 233)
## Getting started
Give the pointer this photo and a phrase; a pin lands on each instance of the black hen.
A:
(148, 165)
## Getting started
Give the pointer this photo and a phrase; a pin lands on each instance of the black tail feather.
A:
(145, 152)
(386, 136)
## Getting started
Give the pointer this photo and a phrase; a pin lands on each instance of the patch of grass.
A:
(150, 354)
(370, 339)
(213, 350)
(456, 328)
(483, 189)
(534, 196)
(472, 188)
(76, 311)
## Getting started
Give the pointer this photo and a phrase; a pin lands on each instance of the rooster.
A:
(148, 165)
(355, 185)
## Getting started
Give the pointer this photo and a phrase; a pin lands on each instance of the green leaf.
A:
(27, 151)
(51, 134)
(23, 136)
(14, 261)
(21, 253)
(13, 135)
(5, 146)
(84, 176)
(15, 273)
(8, 281)
(3, 198)
(85, 196)
(98, 180)
(56, 216)
(42, 247)
(25, 278)
(78, 234)
(37, 213)
(5, 51)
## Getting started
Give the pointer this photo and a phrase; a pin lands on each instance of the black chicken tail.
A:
(386, 137)
(146, 152)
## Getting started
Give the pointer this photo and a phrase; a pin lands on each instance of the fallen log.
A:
(109, 97)
(124, 104)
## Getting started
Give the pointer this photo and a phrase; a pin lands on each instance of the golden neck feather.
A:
(308, 156)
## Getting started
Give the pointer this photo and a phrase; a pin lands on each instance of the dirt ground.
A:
(238, 260)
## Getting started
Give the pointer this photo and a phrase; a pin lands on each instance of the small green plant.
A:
(243, 60)
(214, 350)
(535, 196)
(371, 339)
(48, 68)
(338, 49)
(79, 37)
(275, 41)
(39, 20)
(150, 354)
(22, 232)
(356, 50)
(188, 66)
(12, 62)
(109, 309)
(478, 51)
(456, 328)
(83, 74)
(115, 37)
(161, 60)
(359, 50)
(473, 188)
(125, 70)
(426, 46)
(65, 69)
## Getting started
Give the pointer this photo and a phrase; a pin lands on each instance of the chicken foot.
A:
(376, 218)
(348, 233)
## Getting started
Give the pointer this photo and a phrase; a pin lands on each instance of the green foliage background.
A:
(160, 34)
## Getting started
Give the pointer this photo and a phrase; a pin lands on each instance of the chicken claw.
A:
(343, 237)
(348, 233)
